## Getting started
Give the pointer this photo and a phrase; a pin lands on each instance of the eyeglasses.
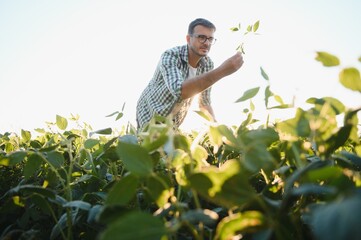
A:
(204, 38)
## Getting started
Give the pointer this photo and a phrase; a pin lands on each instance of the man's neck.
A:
(193, 59)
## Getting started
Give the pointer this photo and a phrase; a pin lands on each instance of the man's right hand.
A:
(232, 64)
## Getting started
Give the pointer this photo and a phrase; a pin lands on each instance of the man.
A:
(182, 73)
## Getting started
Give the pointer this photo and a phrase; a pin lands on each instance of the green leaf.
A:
(296, 175)
(226, 186)
(4, 161)
(199, 154)
(40, 130)
(31, 189)
(35, 144)
(267, 93)
(338, 139)
(258, 157)
(248, 94)
(205, 216)
(353, 158)
(105, 131)
(249, 28)
(78, 204)
(41, 203)
(16, 157)
(56, 159)
(251, 105)
(26, 135)
(328, 60)
(84, 178)
(265, 136)
(324, 174)
(215, 136)
(61, 225)
(119, 116)
(359, 59)
(245, 123)
(158, 190)
(204, 115)
(32, 165)
(313, 190)
(112, 114)
(248, 221)
(337, 106)
(123, 191)
(94, 212)
(256, 26)
(135, 159)
(61, 122)
(135, 225)
(278, 99)
(295, 127)
(228, 136)
(240, 48)
(156, 143)
(344, 217)
(282, 106)
(90, 143)
(234, 29)
(49, 148)
(264, 74)
(350, 78)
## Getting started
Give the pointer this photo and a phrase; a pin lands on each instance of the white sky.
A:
(89, 57)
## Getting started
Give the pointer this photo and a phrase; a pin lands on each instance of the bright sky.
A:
(90, 57)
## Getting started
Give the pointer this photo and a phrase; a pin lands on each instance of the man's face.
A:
(200, 41)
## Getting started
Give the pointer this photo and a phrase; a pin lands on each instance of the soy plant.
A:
(271, 101)
(154, 191)
(323, 157)
(60, 175)
(251, 29)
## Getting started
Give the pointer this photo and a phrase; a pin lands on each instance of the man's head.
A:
(200, 37)
(200, 21)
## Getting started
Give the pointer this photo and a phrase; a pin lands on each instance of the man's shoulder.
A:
(179, 52)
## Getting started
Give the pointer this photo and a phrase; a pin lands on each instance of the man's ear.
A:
(188, 38)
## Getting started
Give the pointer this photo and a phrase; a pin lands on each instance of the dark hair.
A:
(200, 21)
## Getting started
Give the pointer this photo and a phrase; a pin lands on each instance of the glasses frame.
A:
(211, 40)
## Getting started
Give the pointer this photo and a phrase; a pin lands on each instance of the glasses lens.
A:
(204, 38)
(211, 40)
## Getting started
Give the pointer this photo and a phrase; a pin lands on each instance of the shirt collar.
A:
(184, 56)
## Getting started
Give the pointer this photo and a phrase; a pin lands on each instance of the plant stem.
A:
(196, 199)
(193, 231)
(56, 220)
(68, 189)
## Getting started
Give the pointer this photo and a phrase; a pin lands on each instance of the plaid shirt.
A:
(163, 92)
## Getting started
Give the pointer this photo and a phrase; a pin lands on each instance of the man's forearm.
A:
(195, 85)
